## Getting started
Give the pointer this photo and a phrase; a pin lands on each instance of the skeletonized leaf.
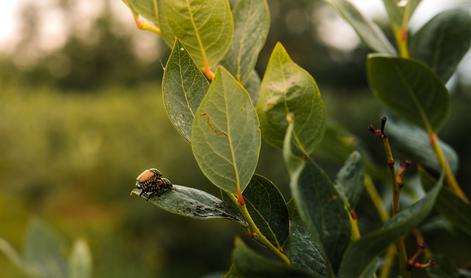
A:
(183, 88)
(410, 89)
(251, 26)
(287, 88)
(268, 209)
(191, 202)
(362, 252)
(367, 30)
(443, 41)
(226, 135)
(204, 27)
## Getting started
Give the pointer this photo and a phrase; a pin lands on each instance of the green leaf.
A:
(410, 89)
(183, 88)
(318, 202)
(44, 250)
(349, 180)
(302, 249)
(443, 267)
(287, 88)
(253, 86)
(204, 27)
(413, 141)
(146, 8)
(191, 202)
(449, 205)
(226, 134)
(80, 261)
(252, 265)
(268, 209)
(443, 41)
(367, 30)
(251, 26)
(362, 252)
(399, 14)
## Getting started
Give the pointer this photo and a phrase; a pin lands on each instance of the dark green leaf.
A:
(367, 30)
(337, 143)
(146, 8)
(442, 267)
(443, 41)
(449, 205)
(204, 27)
(302, 249)
(44, 250)
(413, 141)
(287, 88)
(349, 180)
(191, 202)
(225, 134)
(362, 252)
(251, 26)
(183, 88)
(249, 264)
(268, 209)
(318, 202)
(410, 89)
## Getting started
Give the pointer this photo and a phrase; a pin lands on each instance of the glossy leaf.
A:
(253, 86)
(449, 205)
(191, 202)
(251, 264)
(268, 209)
(204, 27)
(443, 41)
(349, 180)
(80, 260)
(362, 252)
(146, 8)
(287, 88)
(226, 134)
(413, 142)
(367, 30)
(44, 250)
(251, 26)
(400, 12)
(410, 89)
(318, 203)
(302, 249)
(183, 89)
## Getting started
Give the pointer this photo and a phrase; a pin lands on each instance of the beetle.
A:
(152, 183)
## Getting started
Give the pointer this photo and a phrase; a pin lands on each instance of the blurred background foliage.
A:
(81, 116)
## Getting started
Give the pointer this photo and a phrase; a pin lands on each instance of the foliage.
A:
(225, 131)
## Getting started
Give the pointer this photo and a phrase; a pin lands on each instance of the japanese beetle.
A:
(152, 183)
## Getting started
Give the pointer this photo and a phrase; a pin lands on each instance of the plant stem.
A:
(450, 177)
(384, 216)
(401, 248)
(400, 33)
(260, 237)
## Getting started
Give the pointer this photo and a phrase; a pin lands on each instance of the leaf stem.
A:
(208, 72)
(400, 33)
(144, 26)
(260, 237)
(450, 177)
(384, 216)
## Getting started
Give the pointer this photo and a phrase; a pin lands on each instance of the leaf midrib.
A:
(197, 34)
